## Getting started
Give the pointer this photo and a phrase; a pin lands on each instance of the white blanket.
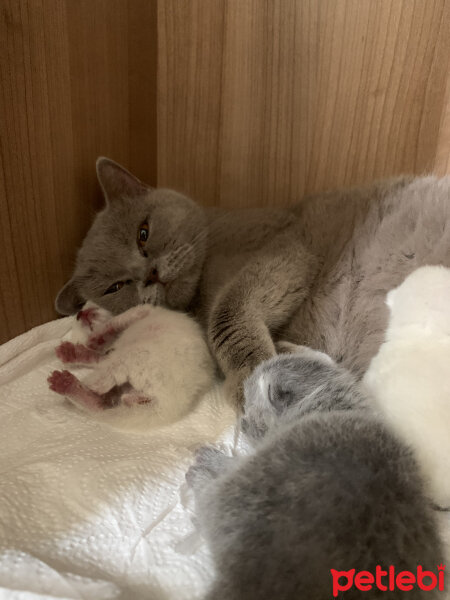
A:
(87, 510)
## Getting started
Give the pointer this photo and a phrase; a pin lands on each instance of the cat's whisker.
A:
(212, 228)
(200, 237)
(177, 257)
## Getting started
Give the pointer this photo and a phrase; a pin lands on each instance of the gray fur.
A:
(327, 487)
(176, 248)
(316, 273)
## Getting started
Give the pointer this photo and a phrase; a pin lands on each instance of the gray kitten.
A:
(315, 273)
(328, 487)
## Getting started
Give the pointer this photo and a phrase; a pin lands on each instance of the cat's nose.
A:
(153, 277)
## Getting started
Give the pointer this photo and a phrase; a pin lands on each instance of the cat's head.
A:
(146, 246)
(278, 385)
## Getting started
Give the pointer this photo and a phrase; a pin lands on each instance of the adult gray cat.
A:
(316, 273)
(327, 487)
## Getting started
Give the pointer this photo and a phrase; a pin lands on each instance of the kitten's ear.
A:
(281, 398)
(69, 300)
(117, 182)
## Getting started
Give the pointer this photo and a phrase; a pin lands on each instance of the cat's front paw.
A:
(210, 462)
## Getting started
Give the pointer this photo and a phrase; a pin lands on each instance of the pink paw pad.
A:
(87, 317)
(71, 353)
(62, 382)
(66, 352)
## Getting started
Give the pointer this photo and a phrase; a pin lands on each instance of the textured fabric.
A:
(88, 510)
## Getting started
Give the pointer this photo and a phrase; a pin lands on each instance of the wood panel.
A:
(255, 102)
(442, 162)
(261, 101)
(77, 79)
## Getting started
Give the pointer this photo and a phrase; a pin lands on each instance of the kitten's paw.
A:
(67, 352)
(254, 430)
(210, 462)
(63, 382)
(66, 384)
(211, 458)
(98, 341)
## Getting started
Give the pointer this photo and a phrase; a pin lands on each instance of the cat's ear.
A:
(117, 182)
(69, 300)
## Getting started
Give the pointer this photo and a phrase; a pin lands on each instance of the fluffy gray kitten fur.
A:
(315, 273)
(327, 487)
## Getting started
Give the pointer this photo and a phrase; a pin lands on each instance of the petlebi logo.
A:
(388, 580)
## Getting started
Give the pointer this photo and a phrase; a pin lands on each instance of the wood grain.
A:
(262, 101)
(252, 102)
(77, 80)
(442, 162)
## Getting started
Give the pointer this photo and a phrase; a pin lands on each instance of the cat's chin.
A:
(154, 295)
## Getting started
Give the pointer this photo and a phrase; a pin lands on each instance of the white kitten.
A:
(410, 375)
(147, 355)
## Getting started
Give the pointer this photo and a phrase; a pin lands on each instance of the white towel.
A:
(89, 511)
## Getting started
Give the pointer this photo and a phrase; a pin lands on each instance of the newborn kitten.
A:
(410, 375)
(147, 354)
(328, 487)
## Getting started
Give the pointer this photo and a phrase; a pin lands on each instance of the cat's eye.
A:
(115, 287)
(142, 234)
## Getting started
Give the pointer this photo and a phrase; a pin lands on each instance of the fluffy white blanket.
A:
(87, 510)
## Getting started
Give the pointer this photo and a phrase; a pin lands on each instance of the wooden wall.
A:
(77, 79)
(236, 102)
(260, 101)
